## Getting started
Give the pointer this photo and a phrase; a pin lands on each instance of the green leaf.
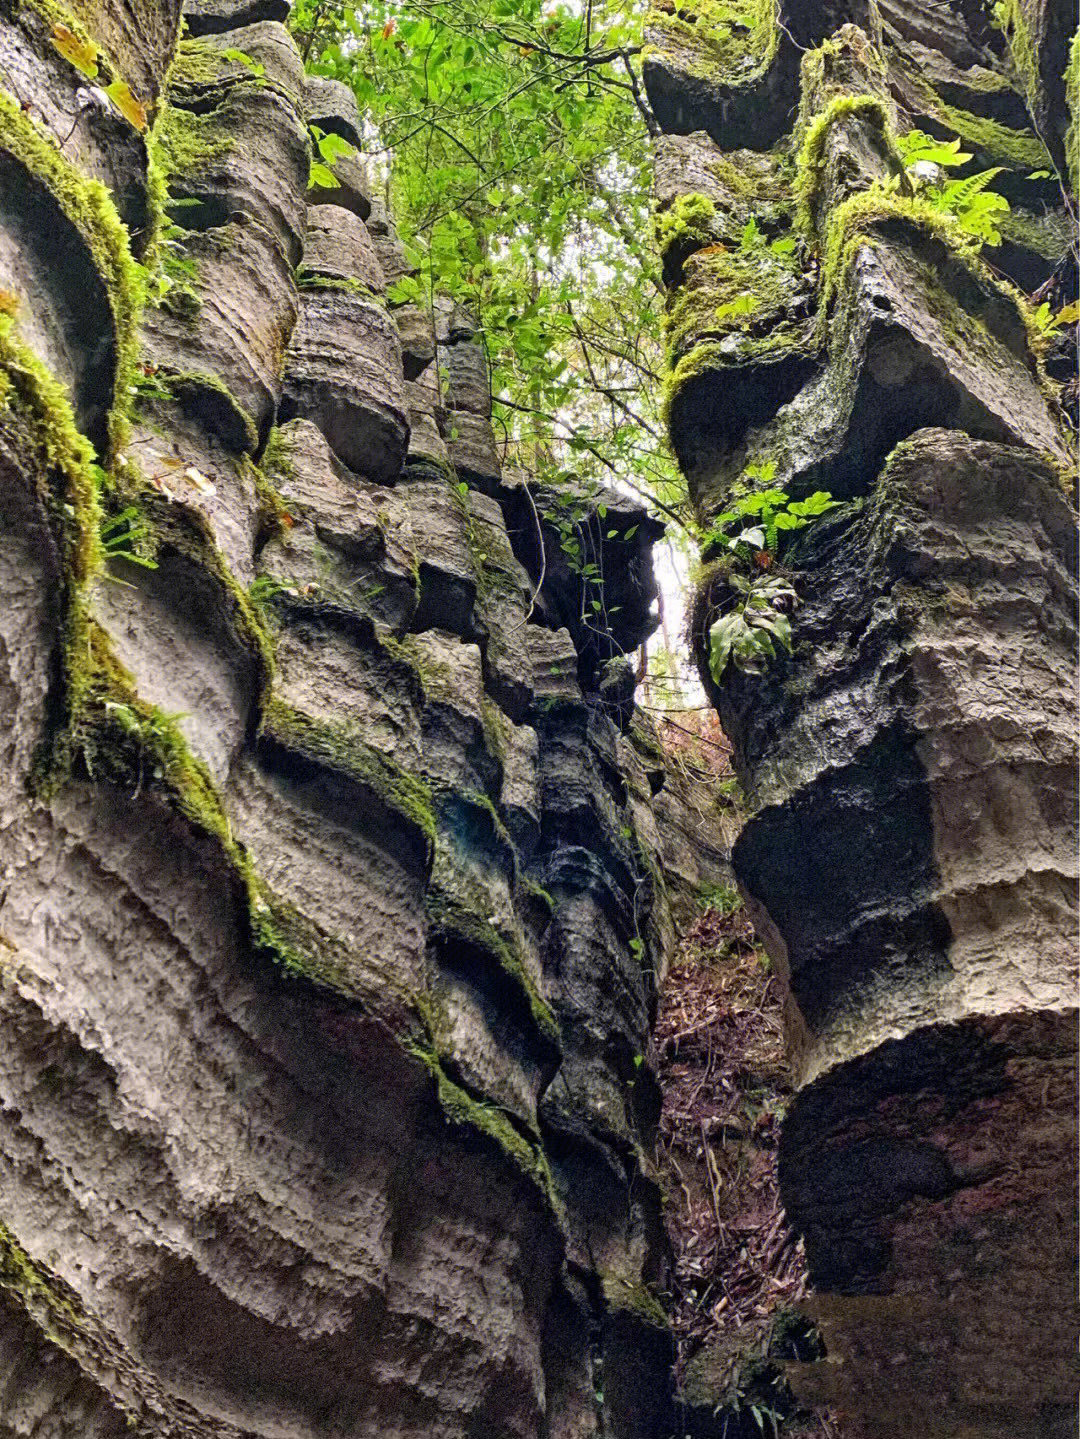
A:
(741, 305)
(751, 237)
(323, 178)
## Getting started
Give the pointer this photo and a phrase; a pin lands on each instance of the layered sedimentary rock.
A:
(911, 766)
(331, 915)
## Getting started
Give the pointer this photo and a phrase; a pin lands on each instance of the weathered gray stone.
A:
(338, 247)
(470, 442)
(554, 664)
(249, 155)
(276, 1008)
(181, 457)
(719, 78)
(343, 371)
(84, 124)
(458, 754)
(503, 597)
(438, 522)
(353, 190)
(923, 343)
(740, 186)
(331, 106)
(316, 487)
(468, 385)
(417, 339)
(209, 64)
(234, 321)
(426, 444)
(63, 303)
(454, 322)
(210, 17)
(169, 627)
(520, 797)
(347, 548)
(384, 236)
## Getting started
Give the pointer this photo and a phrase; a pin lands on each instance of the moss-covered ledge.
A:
(88, 205)
(338, 749)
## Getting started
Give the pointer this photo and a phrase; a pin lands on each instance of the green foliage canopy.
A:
(513, 138)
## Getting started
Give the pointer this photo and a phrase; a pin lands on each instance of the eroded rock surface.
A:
(910, 859)
(332, 913)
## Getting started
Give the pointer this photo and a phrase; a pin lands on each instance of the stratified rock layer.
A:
(911, 767)
(332, 915)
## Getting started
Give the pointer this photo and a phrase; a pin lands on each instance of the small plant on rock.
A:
(120, 536)
(749, 633)
(975, 208)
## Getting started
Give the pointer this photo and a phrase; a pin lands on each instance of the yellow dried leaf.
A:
(133, 110)
(9, 303)
(83, 54)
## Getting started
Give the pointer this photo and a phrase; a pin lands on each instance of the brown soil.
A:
(738, 1269)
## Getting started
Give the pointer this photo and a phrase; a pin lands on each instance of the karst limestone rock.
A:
(332, 914)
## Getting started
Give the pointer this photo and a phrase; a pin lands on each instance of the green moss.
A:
(53, 1306)
(189, 532)
(539, 894)
(272, 514)
(853, 225)
(741, 347)
(495, 726)
(301, 950)
(200, 64)
(234, 423)
(993, 142)
(196, 62)
(454, 921)
(434, 677)
(115, 736)
(278, 454)
(727, 292)
(491, 578)
(484, 803)
(89, 207)
(859, 214)
(343, 751)
(461, 1109)
(181, 301)
(1046, 234)
(1022, 50)
(760, 180)
(996, 143)
(688, 221)
(647, 744)
(30, 388)
(184, 141)
(633, 1297)
(308, 280)
(702, 358)
(811, 161)
(726, 42)
(68, 487)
